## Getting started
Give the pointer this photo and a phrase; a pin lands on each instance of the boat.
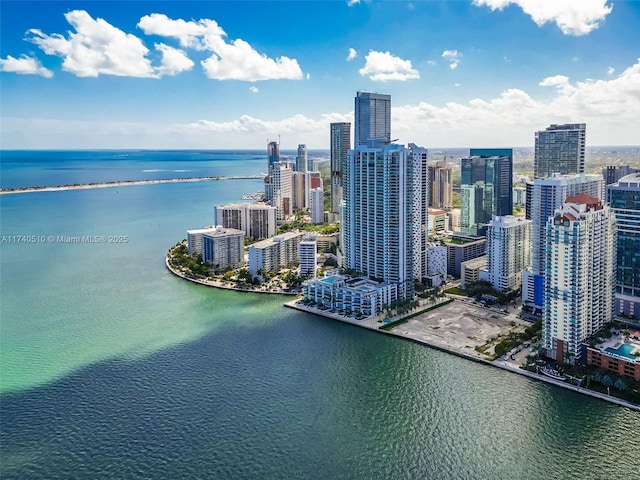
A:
(549, 371)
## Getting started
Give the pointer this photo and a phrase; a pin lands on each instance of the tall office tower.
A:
(372, 118)
(579, 276)
(340, 145)
(302, 160)
(613, 173)
(273, 152)
(624, 199)
(508, 251)
(379, 215)
(486, 188)
(559, 149)
(317, 205)
(441, 182)
(282, 178)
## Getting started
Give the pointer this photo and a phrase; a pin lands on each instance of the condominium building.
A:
(308, 253)
(273, 154)
(300, 191)
(372, 118)
(223, 248)
(579, 275)
(508, 251)
(270, 254)
(436, 264)
(317, 205)
(486, 188)
(257, 220)
(624, 199)
(546, 196)
(340, 143)
(559, 149)
(441, 183)
(194, 239)
(282, 178)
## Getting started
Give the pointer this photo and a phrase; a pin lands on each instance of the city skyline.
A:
(200, 75)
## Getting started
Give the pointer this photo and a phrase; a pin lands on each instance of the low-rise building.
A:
(618, 354)
(472, 269)
(460, 248)
(350, 296)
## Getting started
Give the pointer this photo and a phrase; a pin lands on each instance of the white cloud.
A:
(173, 60)
(352, 54)
(573, 17)
(96, 48)
(432, 62)
(453, 56)
(236, 60)
(253, 89)
(611, 71)
(24, 66)
(382, 67)
(351, 3)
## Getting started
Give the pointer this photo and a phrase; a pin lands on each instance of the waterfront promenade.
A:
(124, 183)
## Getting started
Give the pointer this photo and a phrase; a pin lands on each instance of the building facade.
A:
(223, 248)
(441, 183)
(281, 251)
(302, 159)
(317, 205)
(624, 199)
(485, 188)
(460, 248)
(308, 252)
(340, 144)
(559, 149)
(257, 220)
(282, 178)
(194, 239)
(508, 251)
(372, 115)
(579, 275)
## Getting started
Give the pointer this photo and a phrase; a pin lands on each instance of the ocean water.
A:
(112, 368)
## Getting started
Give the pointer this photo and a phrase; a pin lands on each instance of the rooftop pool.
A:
(624, 350)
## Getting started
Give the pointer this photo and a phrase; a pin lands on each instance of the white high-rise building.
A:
(223, 248)
(547, 195)
(579, 276)
(282, 178)
(317, 205)
(257, 220)
(508, 251)
(308, 252)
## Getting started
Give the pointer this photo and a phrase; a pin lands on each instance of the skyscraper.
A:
(579, 275)
(372, 118)
(508, 251)
(340, 140)
(559, 149)
(282, 178)
(544, 196)
(302, 160)
(378, 215)
(486, 188)
(273, 152)
(624, 199)
(441, 182)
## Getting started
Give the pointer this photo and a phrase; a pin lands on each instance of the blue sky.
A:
(475, 73)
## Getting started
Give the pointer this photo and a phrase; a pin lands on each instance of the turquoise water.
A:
(624, 350)
(112, 368)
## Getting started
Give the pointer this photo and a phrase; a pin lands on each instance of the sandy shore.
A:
(124, 183)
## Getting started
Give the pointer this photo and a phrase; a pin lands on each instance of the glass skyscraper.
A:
(372, 118)
(486, 188)
(624, 199)
(559, 149)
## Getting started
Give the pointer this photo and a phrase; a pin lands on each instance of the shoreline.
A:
(219, 285)
(123, 183)
(495, 363)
